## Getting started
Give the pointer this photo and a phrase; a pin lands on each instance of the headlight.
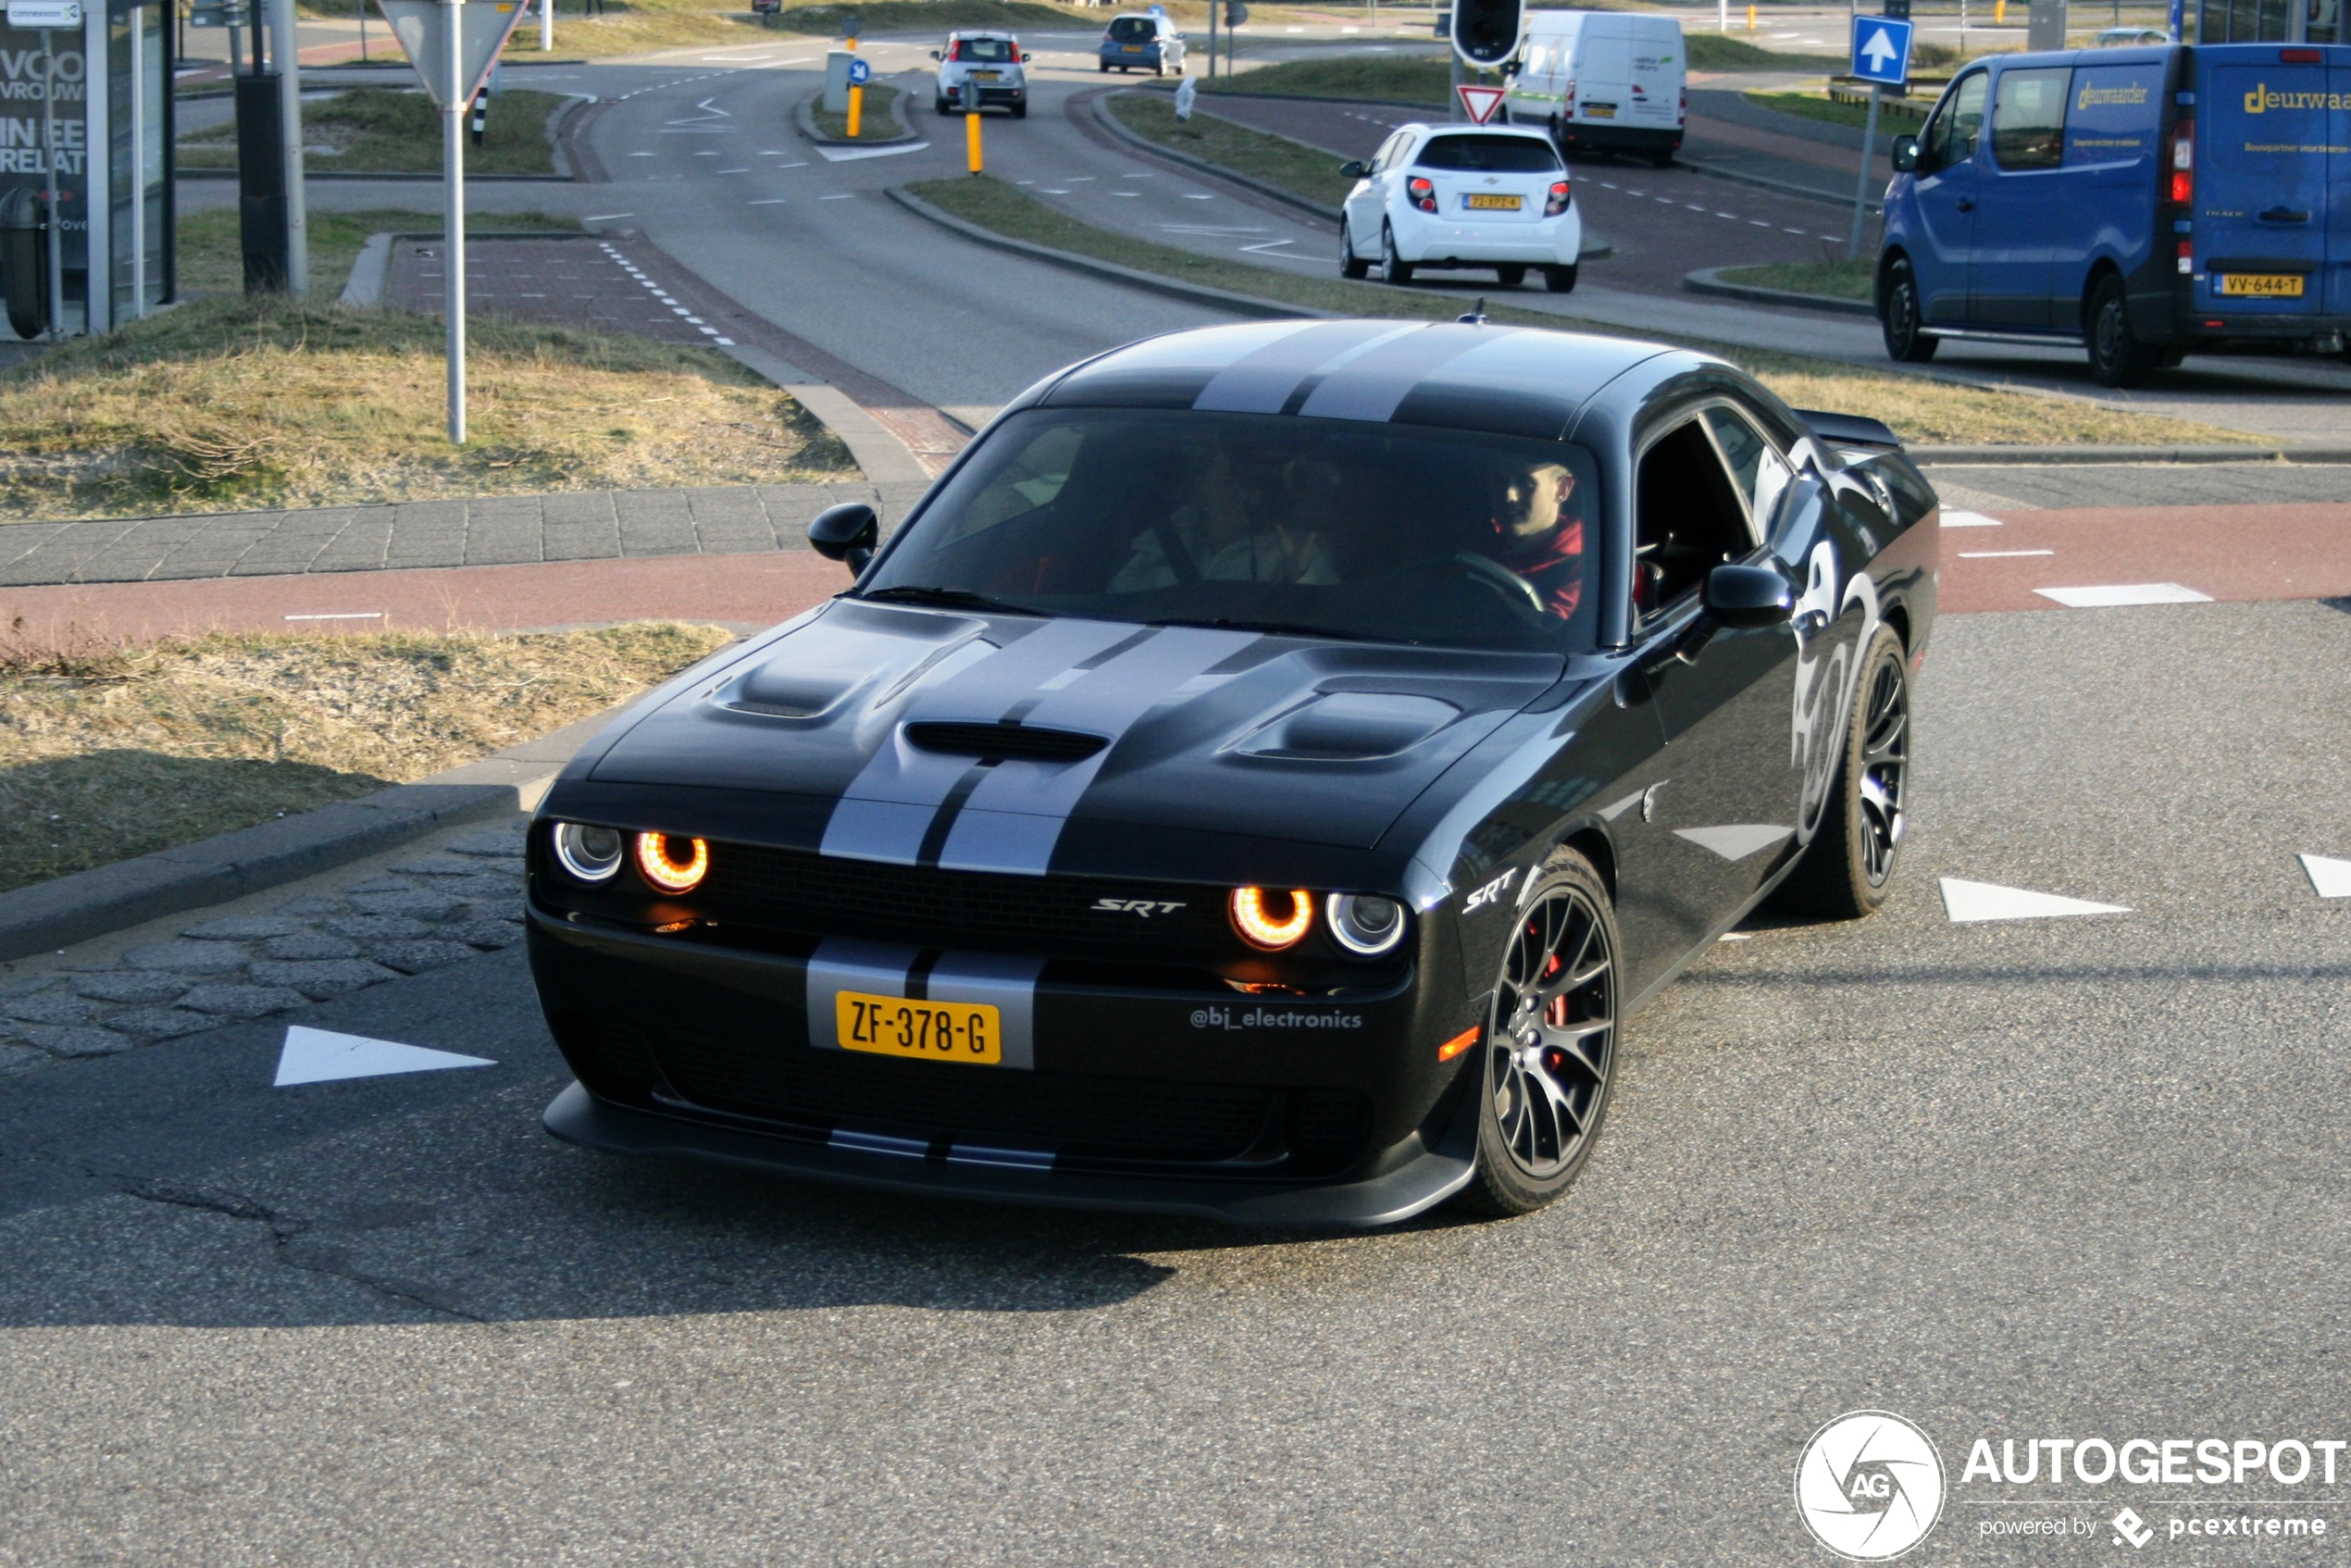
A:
(1271, 918)
(670, 862)
(592, 855)
(1364, 924)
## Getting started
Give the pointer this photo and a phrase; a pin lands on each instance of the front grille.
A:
(1084, 1119)
(795, 890)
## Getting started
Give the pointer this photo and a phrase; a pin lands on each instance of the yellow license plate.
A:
(1599, 111)
(2266, 285)
(1493, 203)
(1130, 48)
(937, 1031)
(984, 76)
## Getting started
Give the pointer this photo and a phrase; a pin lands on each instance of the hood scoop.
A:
(1002, 742)
(1349, 727)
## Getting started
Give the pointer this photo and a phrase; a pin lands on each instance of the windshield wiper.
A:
(1279, 628)
(948, 598)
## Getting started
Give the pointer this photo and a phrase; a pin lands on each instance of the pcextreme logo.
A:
(1868, 1486)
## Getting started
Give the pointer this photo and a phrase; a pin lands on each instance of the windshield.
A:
(993, 50)
(1325, 526)
(1489, 154)
(1132, 29)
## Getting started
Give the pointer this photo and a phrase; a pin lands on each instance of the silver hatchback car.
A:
(981, 71)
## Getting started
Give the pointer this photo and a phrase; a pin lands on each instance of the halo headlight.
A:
(591, 854)
(1271, 918)
(672, 862)
(1365, 924)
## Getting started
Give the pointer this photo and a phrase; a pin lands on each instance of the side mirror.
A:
(933, 54)
(1905, 154)
(847, 533)
(1023, 59)
(1744, 597)
(1354, 169)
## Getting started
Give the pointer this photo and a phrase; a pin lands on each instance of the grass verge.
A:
(106, 754)
(638, 26)
(1923, 409)
(394, 131)
(1386, 79)
(1719, 51)
(1821, 107)
(212, 259)
(1308, 171)
(1841, 280)
(238, 403)
(875, 122)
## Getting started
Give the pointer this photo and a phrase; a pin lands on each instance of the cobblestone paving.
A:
(435, 908)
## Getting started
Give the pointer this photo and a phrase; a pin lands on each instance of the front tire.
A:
(1560, 279)
(1349, 264)
(1020, 111)
(1901, 320)
(2117, 357)
(1548, 1061)
(1848, 867)
(1393, 267)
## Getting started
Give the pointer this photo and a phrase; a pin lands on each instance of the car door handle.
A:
(1965, 205)
(2284, 215)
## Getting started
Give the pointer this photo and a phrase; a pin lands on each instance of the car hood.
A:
(972, 741)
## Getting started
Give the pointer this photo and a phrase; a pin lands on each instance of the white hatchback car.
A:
(1447, 197)
(981, 71)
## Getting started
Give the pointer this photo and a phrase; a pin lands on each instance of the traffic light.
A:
(1486, 32)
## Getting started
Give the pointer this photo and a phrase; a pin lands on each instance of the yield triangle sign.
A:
(1480, 102)
(315, 1056)
(1967, 903)
(422, 27)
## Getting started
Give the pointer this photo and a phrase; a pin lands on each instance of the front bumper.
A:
(1129, 1093)
(986, 94)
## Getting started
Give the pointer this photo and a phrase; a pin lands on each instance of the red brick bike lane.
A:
(2009, 561)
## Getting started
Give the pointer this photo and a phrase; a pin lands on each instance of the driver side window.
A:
(1951, 137)
(1689, 518)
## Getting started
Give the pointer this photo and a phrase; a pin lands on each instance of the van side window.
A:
(1951, 138)
(2028, 120)
(1688, 519)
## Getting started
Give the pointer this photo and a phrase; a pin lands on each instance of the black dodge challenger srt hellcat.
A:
(1256, 781)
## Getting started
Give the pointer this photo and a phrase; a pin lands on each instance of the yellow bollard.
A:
(971, 140)
(857, 110)
(2000, 13)
(1750, 19)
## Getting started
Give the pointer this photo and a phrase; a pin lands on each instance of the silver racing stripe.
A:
(1262, 382)
(1004, 982)
(1370, 386)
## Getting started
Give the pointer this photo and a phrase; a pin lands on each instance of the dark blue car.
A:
(2145, 203)
(1143, 42)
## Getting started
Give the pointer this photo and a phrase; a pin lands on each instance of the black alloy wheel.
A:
(1550, 1051)
(2117, 357)
(1393, 267)
(1349, 264)
(1509, 276)
(1848, 867)
(1901, 318)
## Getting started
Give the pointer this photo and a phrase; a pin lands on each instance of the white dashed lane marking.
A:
(2112, 596)
(1968, 903)
(2000, 555)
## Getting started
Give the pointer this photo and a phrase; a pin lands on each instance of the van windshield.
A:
(1335, 528)
(1489, 154)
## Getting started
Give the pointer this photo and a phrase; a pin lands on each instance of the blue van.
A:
(2144, 203)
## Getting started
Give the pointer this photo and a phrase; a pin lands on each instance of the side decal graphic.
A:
(1826, 669)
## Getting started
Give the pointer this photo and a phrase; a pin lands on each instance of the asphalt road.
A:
(2074, 1175)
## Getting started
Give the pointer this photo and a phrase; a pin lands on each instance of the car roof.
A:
(1526, 132)
(1506, 381)
(979, 33)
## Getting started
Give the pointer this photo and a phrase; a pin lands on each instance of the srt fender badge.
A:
(1491, 893)
(1144, 907)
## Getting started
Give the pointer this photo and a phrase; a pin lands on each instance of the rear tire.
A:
(1901, 318)
(1509, 276)
(1020, 111)
(2117, 357)
(1548, 1061)
(1349, 264)
(1850, 866)
(938, 105)
(1560, 279)
(1393, 267)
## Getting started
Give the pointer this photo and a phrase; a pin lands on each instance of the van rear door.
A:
(1654, 72)
(2261, 179)
(1604, 71)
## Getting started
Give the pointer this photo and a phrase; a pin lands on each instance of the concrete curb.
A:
(1959, 455)
(803, 117)
(49, 916)
(366, 286)
(1779, 186)
(1196, 293)
(884, 457)
(1705, 280)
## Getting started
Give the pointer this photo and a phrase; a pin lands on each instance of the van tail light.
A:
(1558, 201)
(1681, 115)
(2182, 189)
(2187, 258)
(2299, 56)
(1421, 194)
(1568, 98)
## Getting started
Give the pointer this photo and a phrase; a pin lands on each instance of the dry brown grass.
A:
(108, 753)
(232, 403)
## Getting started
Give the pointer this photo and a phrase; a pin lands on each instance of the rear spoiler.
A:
(1852, 430)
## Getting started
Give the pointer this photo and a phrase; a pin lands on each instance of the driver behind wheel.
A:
(1537, 525)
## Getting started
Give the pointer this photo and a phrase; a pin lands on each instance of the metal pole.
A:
(453, 163)
(49, 163)
(1212, 40)
(546, 25)
(362, 31)
(283, 44)
(1861, 186)
(139, 162)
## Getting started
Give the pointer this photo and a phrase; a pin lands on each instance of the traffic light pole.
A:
(1861, 186)
(452, 164)
(283, 44)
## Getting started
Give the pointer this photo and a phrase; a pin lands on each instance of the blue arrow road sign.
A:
(860, 72)
(1882, 50)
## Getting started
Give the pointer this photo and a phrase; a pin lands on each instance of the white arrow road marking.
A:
(851, 155)
(321, 1055)
(1734, 841)
(2329, 879)
(2114, 596)
(1967, 903)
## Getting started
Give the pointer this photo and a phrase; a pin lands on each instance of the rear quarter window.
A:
(2113, 115)
(1489, 154)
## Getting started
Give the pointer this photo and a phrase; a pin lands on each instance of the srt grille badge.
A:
(1144, 907)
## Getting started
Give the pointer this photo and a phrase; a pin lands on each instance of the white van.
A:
(1603, 81)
